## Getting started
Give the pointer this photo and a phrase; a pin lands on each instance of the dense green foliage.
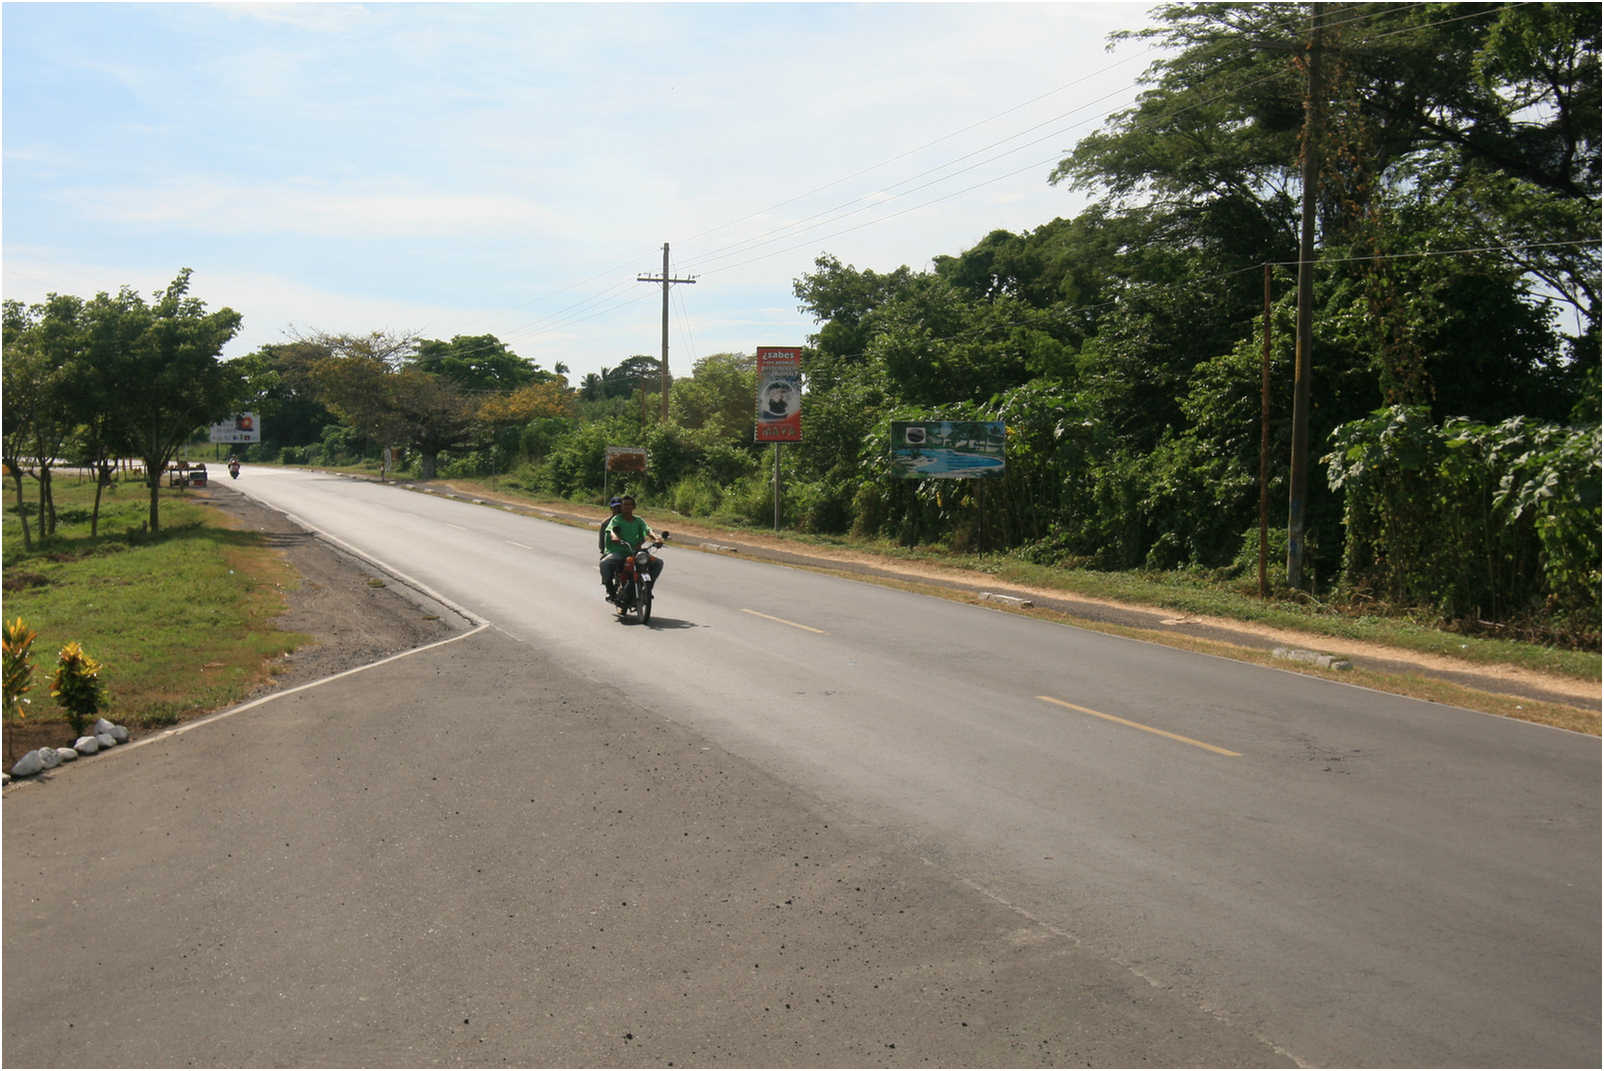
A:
(111, 377)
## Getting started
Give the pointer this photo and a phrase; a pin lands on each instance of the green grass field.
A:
(181, 622)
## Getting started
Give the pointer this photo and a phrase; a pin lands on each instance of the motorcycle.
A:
(233, 470)
(632, 591)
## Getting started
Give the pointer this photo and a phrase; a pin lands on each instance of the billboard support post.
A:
(776, 487)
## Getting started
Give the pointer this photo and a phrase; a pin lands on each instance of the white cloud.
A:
(223, 209)
(512, 167)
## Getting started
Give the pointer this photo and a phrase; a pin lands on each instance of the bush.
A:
(750, 500)
(18, 667)
(696, 496)
(77, 687)
(1472, 520)
(340, 445)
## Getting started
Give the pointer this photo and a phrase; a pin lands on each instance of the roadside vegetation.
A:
(180, 623)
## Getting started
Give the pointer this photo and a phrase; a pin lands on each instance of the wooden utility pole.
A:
(1313, 112)
(666, 281)
(1264, 445)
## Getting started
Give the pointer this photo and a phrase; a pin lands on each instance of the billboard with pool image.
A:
(949, 449)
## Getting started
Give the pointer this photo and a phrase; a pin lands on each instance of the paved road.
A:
(1216, 863)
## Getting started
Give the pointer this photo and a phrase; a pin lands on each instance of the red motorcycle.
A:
(633, 582)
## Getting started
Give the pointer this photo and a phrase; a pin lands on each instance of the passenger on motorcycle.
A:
(623, 535)
(601, 529)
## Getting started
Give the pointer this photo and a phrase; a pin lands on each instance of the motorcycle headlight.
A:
(642, 558)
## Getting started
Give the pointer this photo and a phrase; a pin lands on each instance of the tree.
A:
(477, 363)
(44, 348)
(170, 378)
(280, 386)
(436, 413)
(718, 399)
(373, 383)
(1495, 107)
(110, 327)
(21, 393)
(547, 400)
(354, 379)
(640, 372)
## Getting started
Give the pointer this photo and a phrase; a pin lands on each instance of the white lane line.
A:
(1138, 725)
(783, 621)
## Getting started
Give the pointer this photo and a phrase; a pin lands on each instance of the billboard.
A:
(779, 395)
(239, 428)
(949, 449)
(626, 459)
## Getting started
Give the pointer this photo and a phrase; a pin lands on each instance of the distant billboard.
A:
(779, 395)
(240, 428)
(948, 449)
(626, 459)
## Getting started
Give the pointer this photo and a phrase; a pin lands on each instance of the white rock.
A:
(28, 765)
(65, 754)
(106, 739)
(120, 733)
(86, 745)
(102, 726)
(48, 758)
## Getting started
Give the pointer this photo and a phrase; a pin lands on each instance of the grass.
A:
(180, 622)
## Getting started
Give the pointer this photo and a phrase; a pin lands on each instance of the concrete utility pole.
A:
(1298, 483)
(666, 281)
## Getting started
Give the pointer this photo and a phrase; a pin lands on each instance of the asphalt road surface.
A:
(1078, 848)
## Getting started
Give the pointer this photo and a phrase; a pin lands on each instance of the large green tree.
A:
(282, 389)
(477, 363)
(171, 378)
(44, 346)
(718, 399)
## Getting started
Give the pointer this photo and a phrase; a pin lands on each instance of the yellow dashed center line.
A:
(783, 621)
(1139, 725)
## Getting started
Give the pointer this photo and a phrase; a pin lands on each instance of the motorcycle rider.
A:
(601, 529)
(624, 534)
(233, 465)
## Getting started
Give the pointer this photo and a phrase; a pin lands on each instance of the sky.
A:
(513, 169)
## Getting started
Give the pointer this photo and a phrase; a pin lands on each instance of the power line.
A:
(577, 312)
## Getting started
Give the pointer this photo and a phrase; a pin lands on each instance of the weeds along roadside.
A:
(182, 623)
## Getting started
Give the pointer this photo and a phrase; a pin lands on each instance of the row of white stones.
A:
(104, 735)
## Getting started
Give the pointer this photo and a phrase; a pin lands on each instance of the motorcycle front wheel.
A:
(646, 604)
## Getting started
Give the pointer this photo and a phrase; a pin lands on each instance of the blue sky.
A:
(510, 169)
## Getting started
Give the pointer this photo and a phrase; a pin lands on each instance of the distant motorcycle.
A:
(633, 590)
(233, 470)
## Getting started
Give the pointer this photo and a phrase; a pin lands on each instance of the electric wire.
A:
(580, 312)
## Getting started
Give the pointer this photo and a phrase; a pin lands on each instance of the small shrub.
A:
(696, 496)
(18, 667)
(77, 687)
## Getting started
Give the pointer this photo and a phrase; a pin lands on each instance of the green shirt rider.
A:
(623, 535)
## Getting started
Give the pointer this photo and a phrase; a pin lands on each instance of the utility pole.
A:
(1298, 484)
(666, 281)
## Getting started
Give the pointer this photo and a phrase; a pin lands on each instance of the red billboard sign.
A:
(779, 395)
